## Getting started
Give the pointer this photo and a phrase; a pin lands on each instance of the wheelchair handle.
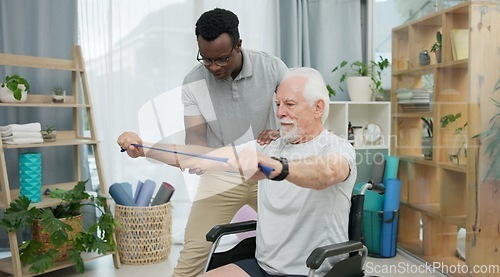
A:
(370, 185)
(377, 187)
(231, 228)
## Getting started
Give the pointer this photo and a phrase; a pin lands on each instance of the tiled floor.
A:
(401, 265)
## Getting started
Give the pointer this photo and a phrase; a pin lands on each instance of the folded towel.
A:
(29, 127)
(20, 134)
(23, 140)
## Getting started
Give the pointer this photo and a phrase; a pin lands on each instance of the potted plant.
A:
(49, 133)
(460, 131)
(58, 94)
(52, 223)
(363, 79)
(14, 89)
(491, 138)
(436, 47)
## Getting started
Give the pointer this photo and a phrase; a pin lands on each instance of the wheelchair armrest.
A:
(230, 228)
(319, 254)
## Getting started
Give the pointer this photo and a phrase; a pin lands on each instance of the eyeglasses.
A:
(220, 61)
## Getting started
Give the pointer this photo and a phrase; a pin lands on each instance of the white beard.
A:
(290, 135)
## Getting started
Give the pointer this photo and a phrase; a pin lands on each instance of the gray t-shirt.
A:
(292, 220)
(235, 110)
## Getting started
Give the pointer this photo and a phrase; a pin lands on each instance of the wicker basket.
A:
(37, 234)
(144, 233)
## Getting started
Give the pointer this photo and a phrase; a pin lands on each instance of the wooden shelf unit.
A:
(437, 196)
(360, 114)
(74, 137)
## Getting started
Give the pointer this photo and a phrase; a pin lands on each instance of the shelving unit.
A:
(360, 114)
(74, 137)
(437, 196)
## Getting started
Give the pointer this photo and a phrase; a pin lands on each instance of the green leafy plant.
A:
(98, 238)
(437, 45)
(16, 84)
(450, 119)
(49, 129)
(357, 68)
(49, 133)
(58, 90)
(492, 137)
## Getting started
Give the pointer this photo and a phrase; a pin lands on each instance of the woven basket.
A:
(144, 233)
(37, 234)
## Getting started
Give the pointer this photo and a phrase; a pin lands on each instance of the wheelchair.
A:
(349, 267)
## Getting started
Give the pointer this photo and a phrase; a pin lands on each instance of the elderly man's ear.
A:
(319, 107)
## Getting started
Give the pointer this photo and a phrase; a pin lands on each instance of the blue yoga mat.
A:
(145, 193)
(138, 190)
(128, 188)
(120, 195)
(391, 167)
(389, 226)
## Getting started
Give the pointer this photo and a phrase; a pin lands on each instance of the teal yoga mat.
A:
(391, 167)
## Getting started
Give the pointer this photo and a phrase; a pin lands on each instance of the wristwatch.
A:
(284, 171)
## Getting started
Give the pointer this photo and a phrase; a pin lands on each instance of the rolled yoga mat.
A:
(145, 194)
(128, 188)
(378, 169)
(138, 190)
(120, 195)
(391, 167)
(372, 223)
(390, 224)
(164, 194)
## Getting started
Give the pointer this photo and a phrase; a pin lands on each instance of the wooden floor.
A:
(400, 265)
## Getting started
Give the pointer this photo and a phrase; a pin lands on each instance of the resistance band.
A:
(265, 169)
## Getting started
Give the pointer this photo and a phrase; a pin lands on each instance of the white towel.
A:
(29, 127)
(23, 140)
(20, 134)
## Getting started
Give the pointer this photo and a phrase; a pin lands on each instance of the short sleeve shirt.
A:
(236, 111)
(294, 220)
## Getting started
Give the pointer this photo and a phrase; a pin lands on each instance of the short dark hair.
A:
(212, 24)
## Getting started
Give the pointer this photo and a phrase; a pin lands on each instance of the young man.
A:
(228, 99)
(304, 202)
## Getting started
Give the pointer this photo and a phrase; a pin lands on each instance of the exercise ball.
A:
(244, 214)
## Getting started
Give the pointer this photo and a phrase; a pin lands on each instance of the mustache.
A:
(287, 121)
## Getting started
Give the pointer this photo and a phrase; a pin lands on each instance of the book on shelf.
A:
(460, 44)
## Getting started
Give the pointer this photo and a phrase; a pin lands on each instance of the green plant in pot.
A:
(363, 79)
(14, 88)
(436, 47)
(491, 139)
(58, 94)
(461, 132)
(53, 224)
(49, 133)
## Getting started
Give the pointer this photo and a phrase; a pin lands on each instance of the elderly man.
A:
(304, 202)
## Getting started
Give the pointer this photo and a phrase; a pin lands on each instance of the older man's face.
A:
(295, 114)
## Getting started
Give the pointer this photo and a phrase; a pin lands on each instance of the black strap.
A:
(284, 171)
